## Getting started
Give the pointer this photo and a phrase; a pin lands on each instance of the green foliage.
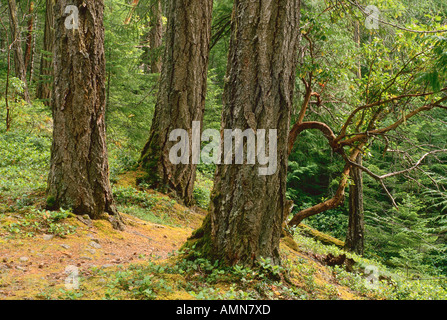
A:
(139, 283)
(202, 190)
(132, 196)
(409, 242)
(393, 62)
(377, 281)
(149, 206)
(25, 151)
(34, 221)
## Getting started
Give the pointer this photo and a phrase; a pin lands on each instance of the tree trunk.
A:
(29, 35)
(33, 55)
(156, 36)
(79, 172)
(19, 63)
(153, 40)
(44, 89)
(356, 227)
(247, 209)
(181, 97)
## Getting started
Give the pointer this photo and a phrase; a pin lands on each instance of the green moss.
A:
(200, 242)
(149, 162)
(324, 238)
(288, 241)
(51, 202)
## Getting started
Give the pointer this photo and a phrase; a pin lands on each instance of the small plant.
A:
(139, 283)
(37, 221)
(70, 294)
(269, 269)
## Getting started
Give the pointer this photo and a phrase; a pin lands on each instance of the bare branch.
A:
(392, 174)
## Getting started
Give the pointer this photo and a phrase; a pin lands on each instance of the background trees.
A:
(398, 88)
(44, 87)
(16, 45)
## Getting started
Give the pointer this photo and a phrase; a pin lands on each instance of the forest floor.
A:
(31, 262)
(30, 265)
(39, 256)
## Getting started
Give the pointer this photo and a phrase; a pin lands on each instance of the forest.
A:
(223, 150)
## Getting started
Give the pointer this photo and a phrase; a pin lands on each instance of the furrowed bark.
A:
(247, 210)
(181, 97)
(79, 172)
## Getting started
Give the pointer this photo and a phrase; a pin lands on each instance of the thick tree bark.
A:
(356, 227)
(247, 210)
(181, 97)
(79, 172)
(19, 63)
(44, 88)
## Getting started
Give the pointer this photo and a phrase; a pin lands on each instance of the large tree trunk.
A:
(356, 227)
(79, 172)
(44, 88)
(181, 97)
(19, 63)
(247, 209)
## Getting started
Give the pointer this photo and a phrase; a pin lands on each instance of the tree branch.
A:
(332, 203)
(300, 127)
(392, 174)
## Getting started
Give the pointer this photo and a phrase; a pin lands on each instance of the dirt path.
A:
(29, 266)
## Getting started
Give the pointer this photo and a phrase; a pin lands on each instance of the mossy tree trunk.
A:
(29, 36)
(247, 209)
(79, 172)
(181, 97)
